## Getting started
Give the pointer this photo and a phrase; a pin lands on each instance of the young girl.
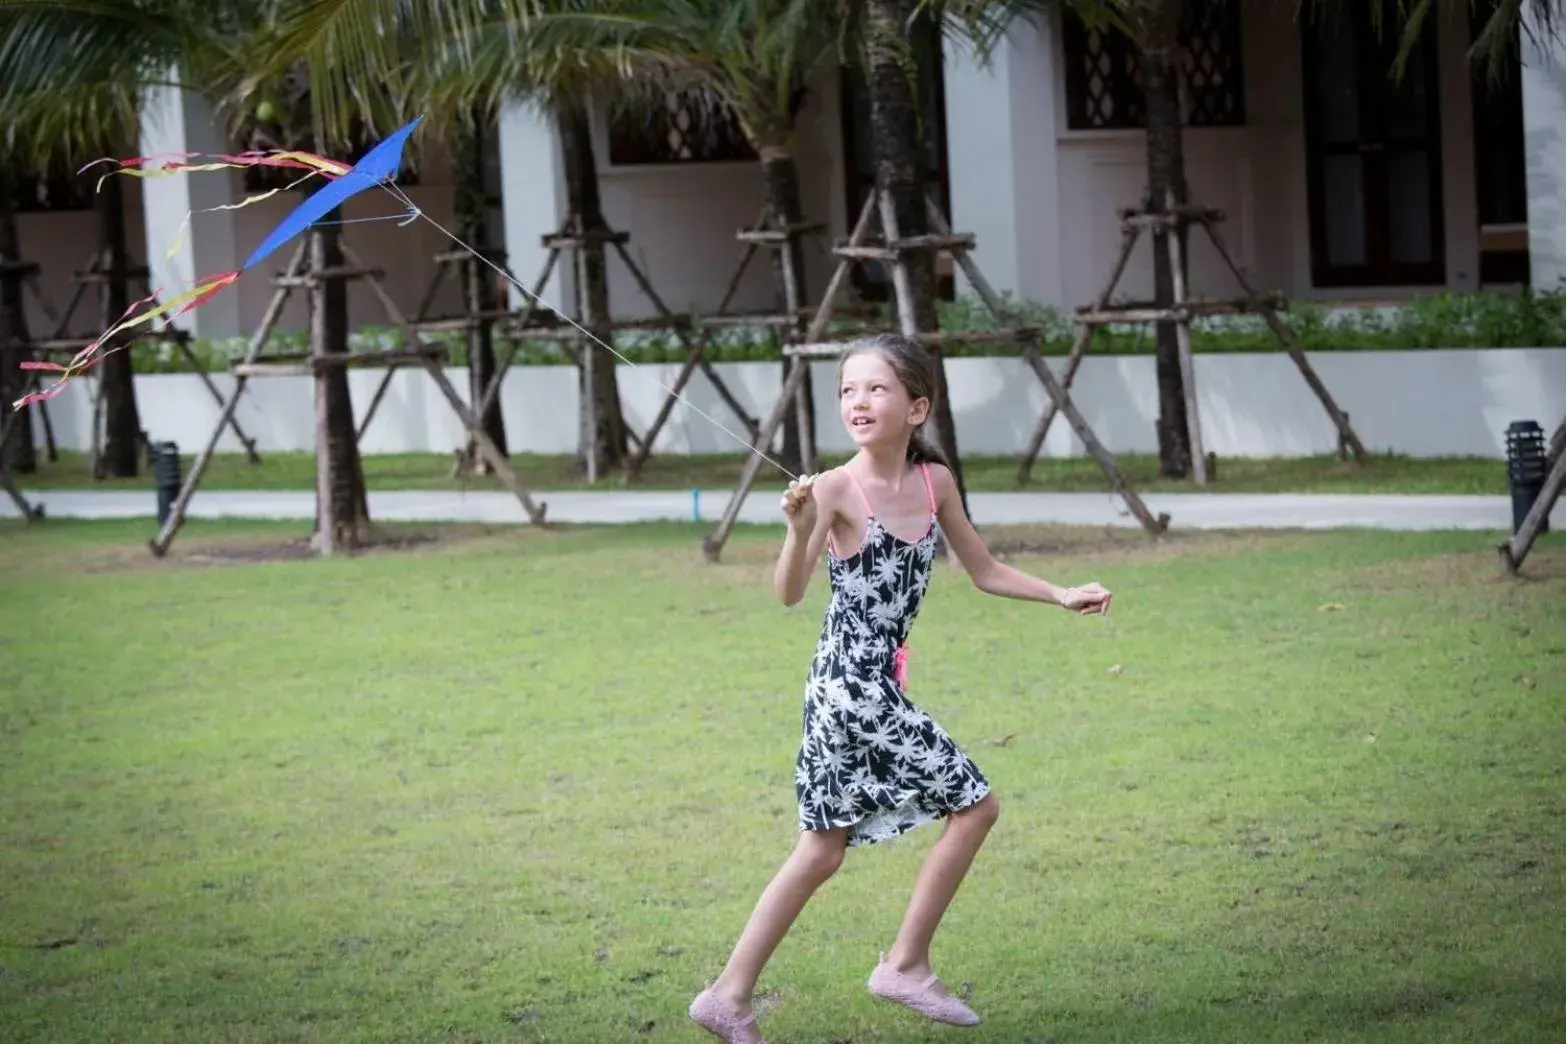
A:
(872, 765)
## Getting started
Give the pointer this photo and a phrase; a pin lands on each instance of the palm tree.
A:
(286, 100)
(108, 53)
(49, 119)
(459, 61)
(19, 452)
(756, 59)
(899, 42)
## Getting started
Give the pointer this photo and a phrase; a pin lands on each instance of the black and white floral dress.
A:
(869, 759)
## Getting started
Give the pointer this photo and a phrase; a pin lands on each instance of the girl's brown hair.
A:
(916, 370)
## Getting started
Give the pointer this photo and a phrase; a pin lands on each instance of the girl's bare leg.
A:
(815, 858)
(942, 873)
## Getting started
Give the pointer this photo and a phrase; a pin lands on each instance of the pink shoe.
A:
(892, 985)
(713, 1014)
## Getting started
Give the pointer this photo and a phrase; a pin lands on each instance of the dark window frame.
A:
(1102, 69)
(1379, 270)
(639, 135)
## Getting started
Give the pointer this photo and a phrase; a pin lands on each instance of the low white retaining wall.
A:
(1423, 404)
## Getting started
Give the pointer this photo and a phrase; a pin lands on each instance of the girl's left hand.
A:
(1087, 600)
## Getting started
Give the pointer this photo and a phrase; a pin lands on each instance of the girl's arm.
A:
(808, 526)
(997, 578)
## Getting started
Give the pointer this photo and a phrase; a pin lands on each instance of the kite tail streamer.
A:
(90, 356)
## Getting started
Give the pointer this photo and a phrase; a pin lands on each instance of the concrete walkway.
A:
(1186, 510)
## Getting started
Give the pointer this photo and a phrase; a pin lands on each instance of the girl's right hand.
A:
(799, 504)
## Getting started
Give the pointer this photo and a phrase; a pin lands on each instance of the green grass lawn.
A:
(431, 471)
(514, 785)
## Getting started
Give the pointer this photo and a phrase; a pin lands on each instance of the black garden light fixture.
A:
(165, 477)
(1527, 465)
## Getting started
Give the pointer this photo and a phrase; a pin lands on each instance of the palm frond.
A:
(72, 71)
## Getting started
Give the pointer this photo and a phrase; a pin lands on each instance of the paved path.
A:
(1186, 510)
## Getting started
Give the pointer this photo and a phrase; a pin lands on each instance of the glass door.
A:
(1373, 154)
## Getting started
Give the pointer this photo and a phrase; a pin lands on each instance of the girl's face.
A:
(873, 403)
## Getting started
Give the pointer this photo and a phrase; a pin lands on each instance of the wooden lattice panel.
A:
(689, 126)
(1104, 78)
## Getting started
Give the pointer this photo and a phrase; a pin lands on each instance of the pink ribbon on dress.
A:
(900, 666)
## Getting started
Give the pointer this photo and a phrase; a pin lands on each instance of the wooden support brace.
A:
(587, 237)
(680, 323)
(195, 364)
(694, 358)
(471, 420)
(452, 257)
(274, 310)
(1057, 394)
(1515, 550)
(1291, 344)
(8, 429)
(1193, 419)
(1177, 215)
(1128, 240)
(327, 275)
(712, 545)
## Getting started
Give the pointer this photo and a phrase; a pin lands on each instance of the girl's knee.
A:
(982, 813)
(821, 852)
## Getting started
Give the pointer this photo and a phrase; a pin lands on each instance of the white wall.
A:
(1435, 403)
(1544, 127)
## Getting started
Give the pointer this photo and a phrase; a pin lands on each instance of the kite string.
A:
(414, 208)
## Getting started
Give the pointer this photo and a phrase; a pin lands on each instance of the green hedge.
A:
(1481, 320)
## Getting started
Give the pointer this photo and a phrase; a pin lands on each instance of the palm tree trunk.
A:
(20, 454)
(478, 289)
(783, 199)
(1158, 25)
(898, 147)
(117, 372)
(602, 430)
(343, 478)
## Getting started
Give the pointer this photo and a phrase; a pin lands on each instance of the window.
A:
(1104, 79)
(1372, 154)
(688, 126)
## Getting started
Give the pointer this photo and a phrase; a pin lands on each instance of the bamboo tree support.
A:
(467, 320)
(1178, 218)
(8, 430)
(526, 324)
(61, 342)
(1515, 551)
(283, 288)
(254, 364)
(893, 250)
(762, 233)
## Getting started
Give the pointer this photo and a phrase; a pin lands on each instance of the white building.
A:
(1337, 183)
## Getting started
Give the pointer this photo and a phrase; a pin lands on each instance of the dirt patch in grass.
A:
(255, 548)
(1465, 571)
(1109, 543)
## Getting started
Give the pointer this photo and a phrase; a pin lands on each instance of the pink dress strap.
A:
(929, 489)
(863, 499)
